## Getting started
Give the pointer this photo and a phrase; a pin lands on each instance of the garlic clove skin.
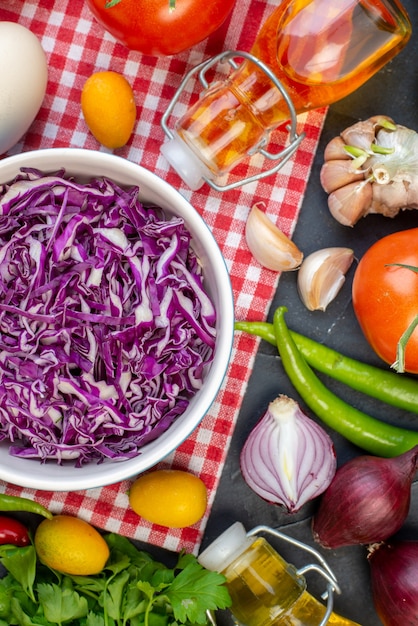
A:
(269, 245)
(335, 149)
(321, 276)
(338, 173)
(351, 202)
(363, 133)
(386, 198)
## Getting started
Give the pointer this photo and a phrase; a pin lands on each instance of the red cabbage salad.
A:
(106, 330)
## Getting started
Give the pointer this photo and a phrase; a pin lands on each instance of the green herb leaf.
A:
(95, 620)
(21, 617)
(196, 590)
(118, 564)
(134, 603)
(132, 590)
(61, 603)
(7, 588)
(113, 596)
(92, 585)
(21, 563)
(121, 548)
(147, 589)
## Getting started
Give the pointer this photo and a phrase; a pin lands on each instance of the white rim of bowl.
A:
(116, 471)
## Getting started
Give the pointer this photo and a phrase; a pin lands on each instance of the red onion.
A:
(287, 459)
(367, 500)
(394, 576)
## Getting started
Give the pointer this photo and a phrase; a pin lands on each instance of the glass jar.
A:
(264, 588)
(309, 52)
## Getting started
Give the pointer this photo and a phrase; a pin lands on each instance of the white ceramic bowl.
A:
(86, 164)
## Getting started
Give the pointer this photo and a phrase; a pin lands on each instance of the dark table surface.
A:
(394, 92)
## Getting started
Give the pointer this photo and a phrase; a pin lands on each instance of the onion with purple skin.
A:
(287, 459)
(394, 576)
(367, 501)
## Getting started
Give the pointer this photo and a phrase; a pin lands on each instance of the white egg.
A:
(23, 80)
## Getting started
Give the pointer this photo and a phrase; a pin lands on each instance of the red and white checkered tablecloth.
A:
(76, 46)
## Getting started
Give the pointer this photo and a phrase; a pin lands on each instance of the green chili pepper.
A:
(364, 431)
(16, 503)
(265, 330)
(385, 385)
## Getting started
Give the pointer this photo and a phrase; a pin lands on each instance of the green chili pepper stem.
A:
(366, 432)
(386, 386)
(16, 503)
(264, 330)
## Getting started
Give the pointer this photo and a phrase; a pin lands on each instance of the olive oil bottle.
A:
(264, 588)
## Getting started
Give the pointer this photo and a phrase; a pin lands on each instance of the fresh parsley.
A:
(132, 590)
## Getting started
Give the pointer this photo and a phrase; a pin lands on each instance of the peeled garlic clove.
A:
(321, 276)
(269, 245)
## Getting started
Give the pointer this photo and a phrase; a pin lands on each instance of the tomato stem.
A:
(413, 268)
(399, 364)
(112, 3)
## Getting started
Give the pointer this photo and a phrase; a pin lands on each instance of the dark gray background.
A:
(394, 92)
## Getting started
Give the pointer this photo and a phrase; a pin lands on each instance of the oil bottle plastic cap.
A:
(185, 162)
(227, 547)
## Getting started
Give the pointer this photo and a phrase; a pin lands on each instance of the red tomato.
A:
(151, 27)
(385, 298)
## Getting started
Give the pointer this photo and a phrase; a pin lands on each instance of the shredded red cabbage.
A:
(105, 327)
